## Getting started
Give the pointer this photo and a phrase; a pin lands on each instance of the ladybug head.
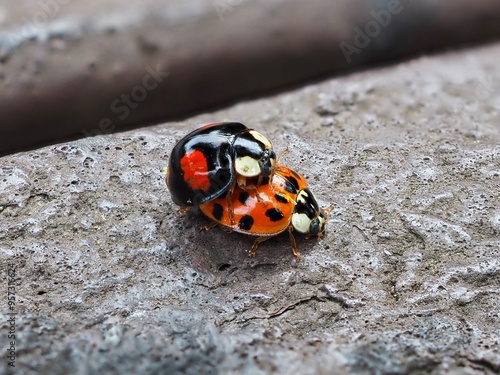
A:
(317, 226)
(254, 156)
(307, 217)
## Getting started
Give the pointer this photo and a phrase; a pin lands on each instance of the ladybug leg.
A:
(213, 224)
(327, 211)
(254, 189)
(208, 226)
(229, 201)
(279, 167)
(182, 210)
(242, 181)
(230, 207)
(255, 245)
(296, 251)
(259, 198)
(226, 229)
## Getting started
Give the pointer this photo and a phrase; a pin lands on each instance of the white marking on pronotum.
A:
(322, 222)
(247, 166)
(302, 197)
(261, 138)
(301, 223)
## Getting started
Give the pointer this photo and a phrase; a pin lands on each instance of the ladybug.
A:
(208, 162)
(285, 203)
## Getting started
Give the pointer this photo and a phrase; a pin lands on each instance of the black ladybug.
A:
(209, 161)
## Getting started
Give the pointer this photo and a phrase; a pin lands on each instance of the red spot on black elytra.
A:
(195, 168)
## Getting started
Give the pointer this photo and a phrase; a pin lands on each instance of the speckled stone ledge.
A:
(108, 279)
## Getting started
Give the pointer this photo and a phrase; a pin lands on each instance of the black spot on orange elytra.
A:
(280, 198)
(296, 174)
(291, 185)
(246, 222)
(243, 198)
(274, 214)
(294, 182)
(217, 211)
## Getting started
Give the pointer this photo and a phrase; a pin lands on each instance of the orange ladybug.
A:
(285, 203)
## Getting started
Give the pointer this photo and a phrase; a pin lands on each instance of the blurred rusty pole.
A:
(70, 77)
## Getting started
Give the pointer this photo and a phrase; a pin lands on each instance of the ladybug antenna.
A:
(327, 211)
(281, 154)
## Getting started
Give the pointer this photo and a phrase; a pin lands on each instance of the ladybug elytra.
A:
(285, 203)
(210, 161)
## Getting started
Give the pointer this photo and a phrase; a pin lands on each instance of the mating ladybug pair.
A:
(230, 172)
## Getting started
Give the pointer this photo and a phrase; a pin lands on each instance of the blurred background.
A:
(72, 69)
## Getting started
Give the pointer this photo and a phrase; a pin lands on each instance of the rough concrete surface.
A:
(109, 279)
